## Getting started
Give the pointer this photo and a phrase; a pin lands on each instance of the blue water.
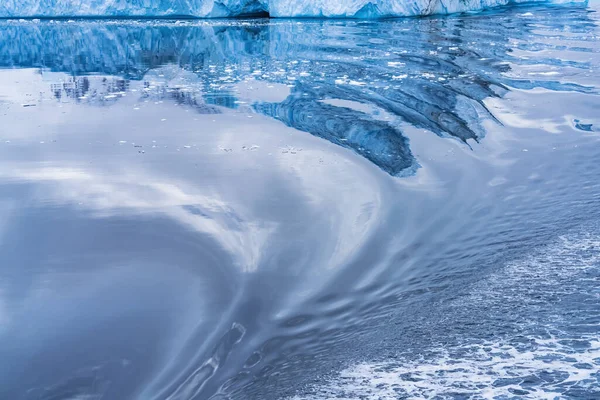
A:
(301, 209)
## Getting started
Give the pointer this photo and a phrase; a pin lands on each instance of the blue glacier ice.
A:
(235, 8)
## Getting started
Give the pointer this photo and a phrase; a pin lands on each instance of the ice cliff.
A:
(235, 8)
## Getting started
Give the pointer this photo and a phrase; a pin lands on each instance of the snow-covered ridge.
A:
(233, 8)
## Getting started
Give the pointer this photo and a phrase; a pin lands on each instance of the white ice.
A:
(226, 8)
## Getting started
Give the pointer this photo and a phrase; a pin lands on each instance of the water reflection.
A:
(171, 231)
(429, 73)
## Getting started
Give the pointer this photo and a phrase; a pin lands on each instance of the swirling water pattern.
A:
(268, 209)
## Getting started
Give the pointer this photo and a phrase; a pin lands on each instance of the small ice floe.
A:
(525, 150)
(395, 64)
(356, 83)
(290, 150)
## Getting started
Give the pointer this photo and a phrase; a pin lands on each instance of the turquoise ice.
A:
(236, 8)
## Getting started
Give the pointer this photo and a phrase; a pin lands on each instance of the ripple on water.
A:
(297, 246)
(548, 302)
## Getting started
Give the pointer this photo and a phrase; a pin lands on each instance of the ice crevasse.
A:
(234, 8)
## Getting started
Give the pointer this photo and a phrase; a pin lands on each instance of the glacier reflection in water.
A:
(236, 209)
(428, 73)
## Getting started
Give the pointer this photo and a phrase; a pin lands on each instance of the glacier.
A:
(366, 9)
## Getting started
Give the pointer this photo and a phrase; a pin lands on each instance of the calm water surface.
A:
(280, 209)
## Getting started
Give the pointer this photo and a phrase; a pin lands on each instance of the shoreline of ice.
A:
(359, 9)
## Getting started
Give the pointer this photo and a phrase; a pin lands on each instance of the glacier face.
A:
(381, 8)
(130, 8)
(233, 8)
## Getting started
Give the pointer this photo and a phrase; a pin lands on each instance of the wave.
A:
(536, 337)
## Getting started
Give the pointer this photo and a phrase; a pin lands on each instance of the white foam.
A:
(485, 369)
(473, 374)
